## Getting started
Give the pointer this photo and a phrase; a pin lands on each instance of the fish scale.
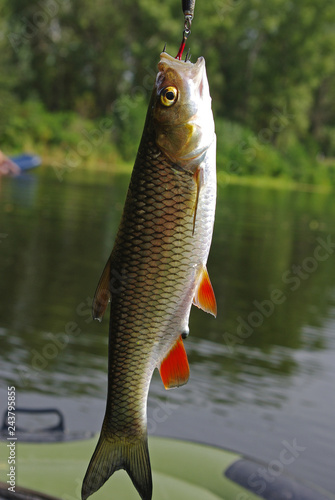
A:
(160, 252)
(131, 337)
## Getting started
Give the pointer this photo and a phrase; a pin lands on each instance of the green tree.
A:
(8, 79)
(270, 64)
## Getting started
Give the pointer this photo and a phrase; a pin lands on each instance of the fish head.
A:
(182, 114)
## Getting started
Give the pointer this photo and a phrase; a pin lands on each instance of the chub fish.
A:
(161, 251)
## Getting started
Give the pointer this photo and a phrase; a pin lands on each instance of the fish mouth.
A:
(179, 63)
(196, 70)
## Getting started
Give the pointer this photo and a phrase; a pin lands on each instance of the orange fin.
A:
(199, 179)
(174, 368)
(102, 294)
(204, 294)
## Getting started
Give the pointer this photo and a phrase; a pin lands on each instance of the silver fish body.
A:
(161, 251)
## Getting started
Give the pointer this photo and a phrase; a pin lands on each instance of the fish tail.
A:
(114, 453)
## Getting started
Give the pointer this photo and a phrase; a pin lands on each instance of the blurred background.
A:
(66, 64)
(75, 79)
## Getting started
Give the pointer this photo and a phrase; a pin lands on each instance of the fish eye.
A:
(169, 96)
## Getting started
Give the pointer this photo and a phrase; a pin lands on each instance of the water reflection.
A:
(265, 250)
(268, 282)
(264, 365)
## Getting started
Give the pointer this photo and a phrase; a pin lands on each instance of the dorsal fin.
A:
(204, 297)
(174, 369)
(102, 294)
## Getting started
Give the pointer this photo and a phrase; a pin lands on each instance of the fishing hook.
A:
(188, 9)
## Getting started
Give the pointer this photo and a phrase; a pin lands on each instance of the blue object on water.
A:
(26, 161)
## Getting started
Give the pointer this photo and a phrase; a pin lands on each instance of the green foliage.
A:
(270, 66)
(129, 115)
(242, 153)
(63, 138)
(32, 123)
(8, 100)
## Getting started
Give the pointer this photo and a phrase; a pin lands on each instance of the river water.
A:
(262, 373)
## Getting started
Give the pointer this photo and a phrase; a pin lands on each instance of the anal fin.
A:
(174, 369)
(204, 297)
(102, 294)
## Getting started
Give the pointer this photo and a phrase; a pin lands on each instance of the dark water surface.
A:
(262, 374)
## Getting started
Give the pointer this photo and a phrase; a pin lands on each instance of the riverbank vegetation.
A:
(75, 79)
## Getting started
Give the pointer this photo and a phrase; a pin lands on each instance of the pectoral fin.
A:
(204, 297)
(102, 294)
(174, 369)
(199, 180)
